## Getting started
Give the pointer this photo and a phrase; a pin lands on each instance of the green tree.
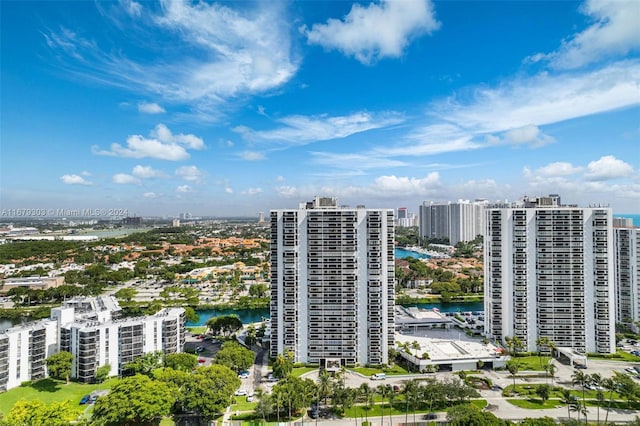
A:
(470, 415)
(190, 314)
(32, 413)
(59, 365)
(135, 400)
(543, 391)
(283, 365)
(145, 364)
(126, 294)
(258, 290)
(102, 373)
(181, 361)
(513, 366)
(225, 325)
(235, 356)
(209, 390)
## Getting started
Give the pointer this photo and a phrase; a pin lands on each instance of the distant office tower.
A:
(548, 272)
(175, 223)
(623, 222)
(261, 217)
(332, 283)
(627, 274)
(461, 221)
(404, 219)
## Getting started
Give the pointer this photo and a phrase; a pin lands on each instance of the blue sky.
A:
(231, 108)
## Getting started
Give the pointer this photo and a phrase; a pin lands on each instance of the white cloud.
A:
(74, 180)
(150, 195)
(403, 185)
(527, 135)
(252, 191)
(85, 173)
(123, 178)
(354, 161)
(543, 99)
(224, 53)
(150, 108)
(379, 30)
(558, 169)
(608, 167)
(132, 8)
(301, 130)
(162, 145)
(146, 172)
(614, 32)
(252, 156)
(280, 179)
(190, 173)
(184, 188)
(287, 191)
(228, 190)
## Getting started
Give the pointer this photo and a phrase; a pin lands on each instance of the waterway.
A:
(403, 254)
(256, 315)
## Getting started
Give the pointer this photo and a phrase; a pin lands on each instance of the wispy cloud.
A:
(252, 156)
(74, 180)
(301, 130)
(190, 173)
(224, 53)
(559, 168)
(146, 172)
(124, 178)
(162, 145)
(614, 32)
(252, 191)
(543, 99)
(526, 135)
(376, 31)
(184, 188)
(150, 108)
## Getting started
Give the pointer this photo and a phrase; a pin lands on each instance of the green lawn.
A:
(299, 371)
(531, 362)
(48, 391)
(395, 370)
(535, 404)
(197, 329)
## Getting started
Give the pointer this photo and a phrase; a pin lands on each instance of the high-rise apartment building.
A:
(332, 283)
(90, 329)
(460, 221)
(549, 273)
(627, 273)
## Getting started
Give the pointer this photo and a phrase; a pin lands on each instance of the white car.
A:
(241, 392)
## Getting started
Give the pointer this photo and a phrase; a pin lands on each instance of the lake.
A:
(256, 315)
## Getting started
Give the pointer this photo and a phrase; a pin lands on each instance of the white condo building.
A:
(627, 273)
(332, 283)
(548, 272)
(90, 329)
(460, 221)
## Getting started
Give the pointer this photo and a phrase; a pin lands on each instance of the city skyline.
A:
(236, 108)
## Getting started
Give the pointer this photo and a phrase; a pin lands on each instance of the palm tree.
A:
(581, 379)
(324, 385)
(595, 379)
(366, 393)
(408, 391)
(513, 367)
(383, 391)
(551, 369)
(569, 400)
(542, 342)
(610, 385)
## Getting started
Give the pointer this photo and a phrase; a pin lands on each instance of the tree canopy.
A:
(235, 356)
(181, 361)
(209, 390)
(136, 400)
(225, 324)
(59, 365)
(38, 413)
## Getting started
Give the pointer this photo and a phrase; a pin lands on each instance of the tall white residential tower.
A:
(549, 272)
(332, 283)
(627, 273)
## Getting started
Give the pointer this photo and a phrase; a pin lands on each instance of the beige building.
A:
(33, 283)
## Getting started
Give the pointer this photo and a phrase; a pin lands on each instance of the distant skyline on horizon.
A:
(231, 108)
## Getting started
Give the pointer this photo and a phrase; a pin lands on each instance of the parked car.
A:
(430, 416)
(85, 399)
(378, 376)
(241, 392)
(202, 360)
(243, 375)
(199, 349)
(92, 399)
